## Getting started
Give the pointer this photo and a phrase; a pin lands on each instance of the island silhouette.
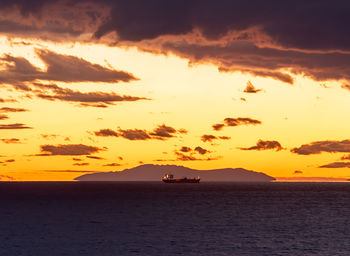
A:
(150, 172)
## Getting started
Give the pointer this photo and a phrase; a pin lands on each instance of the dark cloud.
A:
(68, 150)
(183, 157)
(240, 121)
(182, 131)
(251, 89)
(208, 138)
(346, 87)
(106, 133)
(224, 137)
(89, 99)
(7, 110)
(267, 39)
(96, 157)
(70, 171)
(336, 165)
(15, 126)
(218, 127)
(298, 172)
(235, 122)
(185, 149)
(260, 46)
(49, 136)
(112, 165)
(317, 147)
(73, 69)
(63, 68)
(51, 20)
(134, 134)
(81, 164)
(163, 131)
(287, 23)
(201, 150)
(3, 117)
(346, 157)
(11, 141)
(6, 178)
(265, 145)
(77, 159)
(7, 100)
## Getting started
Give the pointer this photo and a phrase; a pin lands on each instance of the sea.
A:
(152, 218)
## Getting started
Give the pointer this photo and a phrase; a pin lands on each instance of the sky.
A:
(98, 86)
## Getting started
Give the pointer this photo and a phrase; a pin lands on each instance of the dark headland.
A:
(150, 172)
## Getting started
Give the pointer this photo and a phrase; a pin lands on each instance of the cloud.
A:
(11, 141)
(63, 68)
(68, 150)
(15, 126)
(163, 131)
(7, 100)
(49, 136)
(265, 145)
(96, 157)
(218, 127)
(236, 122)
(298, 172)
(51, 20)
(346, 157)
(183, 157)
(3, 117)
(185, 149)
(240, 121)
(201, 150)
(208, 138)
(71, 171)
(271, 40)
(81, 164)
(251, 89)
(89, 99)
(346, 87)
(134, 134)
(224, 137)
(336, 165)
(317, 147)
(111, 165)
(7, 110)
(276, 23)
(7, 178)
(106, 133)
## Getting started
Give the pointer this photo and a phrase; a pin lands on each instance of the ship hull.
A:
(181, 181)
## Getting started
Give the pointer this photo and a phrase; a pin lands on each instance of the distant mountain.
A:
(150, 172)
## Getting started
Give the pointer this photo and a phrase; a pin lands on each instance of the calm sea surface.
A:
(78, 218)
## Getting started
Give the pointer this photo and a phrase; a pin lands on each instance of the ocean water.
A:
(121, 218)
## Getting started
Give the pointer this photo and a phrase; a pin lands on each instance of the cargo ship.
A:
(169, 178)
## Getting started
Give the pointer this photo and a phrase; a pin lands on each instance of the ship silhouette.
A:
(169, 178)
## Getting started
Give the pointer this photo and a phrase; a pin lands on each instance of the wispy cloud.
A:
(265, 145)
(68, 150)
(15, 126)
(317, 147)
(235, 122)
(161, 132)
(251, 89)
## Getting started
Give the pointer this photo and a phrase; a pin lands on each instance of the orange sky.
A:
(179, 96)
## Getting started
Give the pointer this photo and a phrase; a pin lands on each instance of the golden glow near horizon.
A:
(182, 96)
